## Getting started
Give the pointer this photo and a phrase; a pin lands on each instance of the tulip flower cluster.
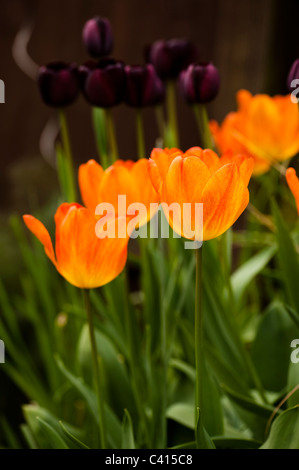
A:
(146, 360)
(220, 184)
(176, 59)
(105, 82)
(263, 127)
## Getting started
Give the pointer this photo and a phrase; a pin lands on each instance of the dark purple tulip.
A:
(200, 82)
(293, 75)
(97, 37)
(171, 57)
(143, 86)
(103, 82)
(58, 84)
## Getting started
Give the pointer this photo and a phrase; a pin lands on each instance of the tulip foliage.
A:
(121, 337)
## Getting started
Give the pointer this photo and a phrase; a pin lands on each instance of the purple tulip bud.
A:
(171, 57)
(293, 75)
(103, 82)
(143, 86)
(58, 84)
(97, 37)
(200, 82)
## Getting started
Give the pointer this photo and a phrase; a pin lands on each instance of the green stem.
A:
(133, 360)
(164, 368)
(96, 370)
(256, 380)
(160, 121)
(225, 255)
(198, 322)
(140, 134)
(225, 244)
(202, 120)
(172, 114)
(111, 134)
(100, 131)
(67, 153)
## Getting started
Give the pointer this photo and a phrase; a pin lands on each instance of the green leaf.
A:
(253, 414)
(222, 331)
(114, 366)
(212, 414)
(54, 440)
(28, 436)
(249, 405)
(203, 440)
(77, 443)
(293, 383)
(284, 432)
(242, 277)
(113, 424)
(288, 258)
(44, 430)
(44, 427)
(183, 367)
(187, 445)
(230, 443)
(127, 441)
(182, 413)
(271, 347)
(224, 372)
(153, 273)
(294, 315)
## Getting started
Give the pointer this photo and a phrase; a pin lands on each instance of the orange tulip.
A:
(122, 178)
(293, 183)
(82, 258)
(265, 128)
(200, 176)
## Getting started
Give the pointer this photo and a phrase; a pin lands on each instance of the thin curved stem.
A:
(96, 370)
(202, 120)
(173, 129)
(198, 327)
(140, 133)
(111, 134)
(67, 153)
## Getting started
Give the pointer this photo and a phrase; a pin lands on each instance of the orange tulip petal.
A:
(126, 163)
(224, 198)
(244, 98)
(264, 128)
(155, 175)
(244, 163)
(184, 184)
(208, 156)
(118, 180)
(89, 177)
(186, 179)
(246, 168)
(159, 162)
(85, 260)
(147, 193)
(39, 230)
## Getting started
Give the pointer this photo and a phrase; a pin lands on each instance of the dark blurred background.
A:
(252, 43)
